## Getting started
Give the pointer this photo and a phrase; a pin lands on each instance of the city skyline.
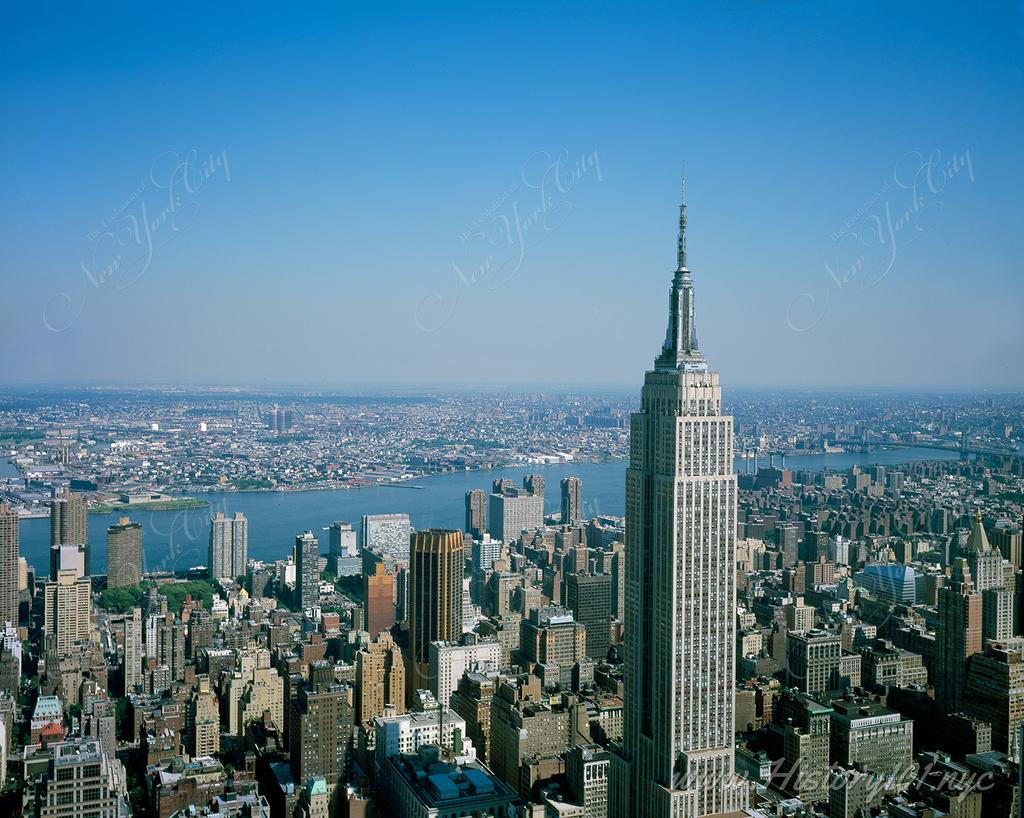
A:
(860, 237)
(348, 469)
(612, 648)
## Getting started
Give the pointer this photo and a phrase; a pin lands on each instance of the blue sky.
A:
(395, 194)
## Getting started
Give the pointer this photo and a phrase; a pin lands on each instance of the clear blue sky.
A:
(362, 154)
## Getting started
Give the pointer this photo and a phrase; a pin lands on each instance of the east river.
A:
(177, 540)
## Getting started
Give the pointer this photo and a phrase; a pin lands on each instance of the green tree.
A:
(200, 590)
(120, 600)
(352, 587)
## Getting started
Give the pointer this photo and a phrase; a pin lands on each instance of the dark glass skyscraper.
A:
(589, 597)
(307, 570)
(476, 512)
(8, 566)
(572, 500)
(436, 566)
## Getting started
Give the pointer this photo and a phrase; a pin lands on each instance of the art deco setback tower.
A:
(958, 636)
(680, 583)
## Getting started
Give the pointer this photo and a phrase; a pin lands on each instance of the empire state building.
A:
(680, 584)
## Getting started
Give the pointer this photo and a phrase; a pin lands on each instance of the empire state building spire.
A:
(677, 755)
(680, 349)
(681, 254)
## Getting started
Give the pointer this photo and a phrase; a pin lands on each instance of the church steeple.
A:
(680, 350)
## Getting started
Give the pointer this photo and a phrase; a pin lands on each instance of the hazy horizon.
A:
(368, 388)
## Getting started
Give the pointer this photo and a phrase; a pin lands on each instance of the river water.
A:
(177, 540)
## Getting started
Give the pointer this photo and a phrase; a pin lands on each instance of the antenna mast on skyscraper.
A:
(681, 255)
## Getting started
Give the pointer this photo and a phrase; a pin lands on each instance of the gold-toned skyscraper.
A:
(436, 566)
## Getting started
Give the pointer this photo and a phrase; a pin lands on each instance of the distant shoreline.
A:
(161, 505)
(414, 482)
(406, 484)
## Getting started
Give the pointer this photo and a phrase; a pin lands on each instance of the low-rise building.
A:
(81, 781)
(867, 733)
(426, 784)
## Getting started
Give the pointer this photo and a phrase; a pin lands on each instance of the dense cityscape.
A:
(781, 641)
(531, 410)
(113, 442)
